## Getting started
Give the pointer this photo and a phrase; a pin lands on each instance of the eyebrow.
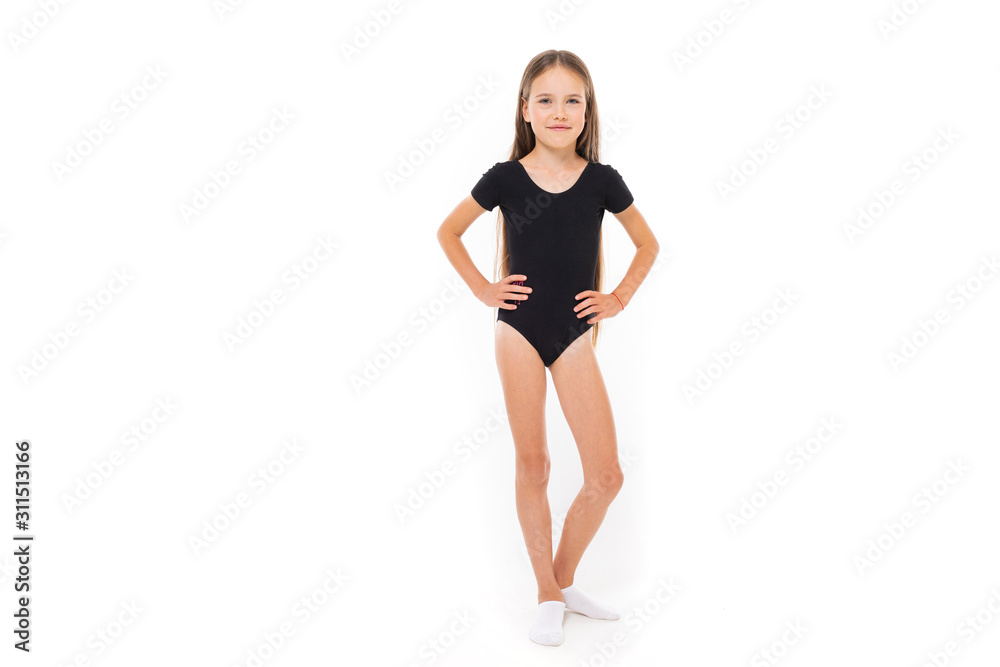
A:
(551, 95)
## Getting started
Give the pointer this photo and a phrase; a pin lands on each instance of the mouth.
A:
(558, 128)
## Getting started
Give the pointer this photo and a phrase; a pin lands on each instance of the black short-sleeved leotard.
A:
(553, 240)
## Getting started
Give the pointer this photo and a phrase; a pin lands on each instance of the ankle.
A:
(564, 580)
(550, 594)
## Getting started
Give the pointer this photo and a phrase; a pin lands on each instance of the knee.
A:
(606, 482)
(533, 470)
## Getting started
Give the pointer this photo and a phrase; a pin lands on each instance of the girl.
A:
(552, 194)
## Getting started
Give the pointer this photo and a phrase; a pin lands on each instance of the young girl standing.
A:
(552, 195)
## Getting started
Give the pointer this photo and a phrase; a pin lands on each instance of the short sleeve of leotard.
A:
(487, 191)
(618, 197)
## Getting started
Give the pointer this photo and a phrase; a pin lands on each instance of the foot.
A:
(547, 628)
(577, 601)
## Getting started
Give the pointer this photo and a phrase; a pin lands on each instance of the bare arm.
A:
(646, 250)
(449, 235)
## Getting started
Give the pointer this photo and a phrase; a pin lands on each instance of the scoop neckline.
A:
(578, 179)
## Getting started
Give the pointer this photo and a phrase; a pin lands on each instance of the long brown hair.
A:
(588, 146)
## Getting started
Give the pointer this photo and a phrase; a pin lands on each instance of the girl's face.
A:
(556, 101)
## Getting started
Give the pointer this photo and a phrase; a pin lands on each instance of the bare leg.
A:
(585, 403)
(522, 376)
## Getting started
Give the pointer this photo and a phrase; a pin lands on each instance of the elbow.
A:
(443, 235)
(653, 245)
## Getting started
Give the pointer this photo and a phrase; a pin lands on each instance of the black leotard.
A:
(553, 240)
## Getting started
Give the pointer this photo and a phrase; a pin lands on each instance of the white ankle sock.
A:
(577, 601)
(547, 628)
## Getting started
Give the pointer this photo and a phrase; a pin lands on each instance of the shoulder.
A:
(603, 168)
(605, 173)
(502, 166)
(499, 170)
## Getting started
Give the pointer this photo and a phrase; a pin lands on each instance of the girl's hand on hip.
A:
(512, 287)
(599, 306)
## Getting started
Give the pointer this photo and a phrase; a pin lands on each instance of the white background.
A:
(125, 538)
